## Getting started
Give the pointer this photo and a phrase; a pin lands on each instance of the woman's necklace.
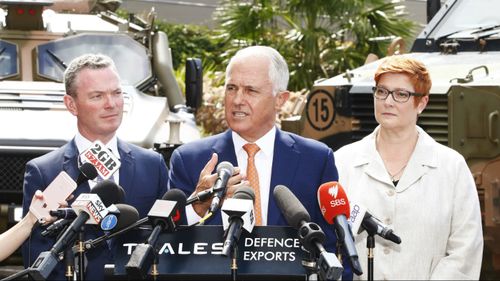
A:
(393, 176)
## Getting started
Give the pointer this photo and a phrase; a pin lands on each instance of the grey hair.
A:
(87, 61)
(278, 68)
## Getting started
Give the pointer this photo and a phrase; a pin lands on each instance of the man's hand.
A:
(207, 180)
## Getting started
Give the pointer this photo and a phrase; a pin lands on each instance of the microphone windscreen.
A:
(87, 172)
(291, 208)
(225, 166)
(109, 192)
(332, 201)
(128, 216)
(178, 196)
(244, 192)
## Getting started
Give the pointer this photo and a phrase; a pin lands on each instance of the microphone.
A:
(109, 198)
(105, 162)
(224, 172)
(310, 234)
(163, 216)
(87, 172)
(361, 220)
(237, 213)
(56, 227)
(89, 208)
(63, 214)
(335, 209)
(120, 217)
(124, 218)
(67, 215)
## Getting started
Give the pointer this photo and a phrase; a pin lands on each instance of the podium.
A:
(268, 253)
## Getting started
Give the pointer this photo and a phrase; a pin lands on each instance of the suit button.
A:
(388, 221)
(387, 251)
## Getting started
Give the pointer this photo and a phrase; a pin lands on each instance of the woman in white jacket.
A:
(420, 188)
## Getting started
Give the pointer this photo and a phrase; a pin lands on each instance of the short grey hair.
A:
(278, 68)
(87, 61)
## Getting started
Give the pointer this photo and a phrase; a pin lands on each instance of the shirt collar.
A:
(265, 143)
(83, 144)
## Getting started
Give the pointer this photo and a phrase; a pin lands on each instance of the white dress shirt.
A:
(83, 144)
(263, 163)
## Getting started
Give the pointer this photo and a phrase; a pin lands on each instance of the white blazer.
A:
(434, 209)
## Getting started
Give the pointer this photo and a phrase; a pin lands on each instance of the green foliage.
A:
(192, 41)
(318, 38)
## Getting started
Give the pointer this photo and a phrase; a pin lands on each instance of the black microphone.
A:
(56, 227)
(63, 213)
(237, 213)
(89, 208)
(163, 216)
(310, 234)
(120, 217)
(108, 198)
(87, 172)
(118, 221)
(361, 220)
(224, 172)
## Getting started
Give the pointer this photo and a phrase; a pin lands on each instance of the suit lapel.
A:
(70, 166)
(127, 167)
(224, 147)
(422, 159)
(285, 163)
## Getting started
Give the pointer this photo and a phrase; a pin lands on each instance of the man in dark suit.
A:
(94, 96)
(255, 90)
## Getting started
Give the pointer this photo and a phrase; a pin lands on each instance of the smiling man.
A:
(255, 90)
(94, 96)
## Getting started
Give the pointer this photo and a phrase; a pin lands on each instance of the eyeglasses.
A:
(400, 96)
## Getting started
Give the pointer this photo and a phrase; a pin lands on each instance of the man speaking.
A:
(255, 90)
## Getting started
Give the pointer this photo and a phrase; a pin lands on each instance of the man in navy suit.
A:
(255, 90)
(94, 96)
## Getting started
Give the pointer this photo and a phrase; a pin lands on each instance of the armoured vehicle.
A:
(461, 48)
(39, 38)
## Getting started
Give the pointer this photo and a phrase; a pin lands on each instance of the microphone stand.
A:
(310, 266)
(91, 243)
(81, 255)
(69, 262)
(370, 244)
(17, 275)
(234, 262)
(154, 268)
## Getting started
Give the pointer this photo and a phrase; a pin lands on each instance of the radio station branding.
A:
(355, 210)
(102, 159)
(91, 204)
(109, 222)
(251, 249)
(333, 191)
(335, 199)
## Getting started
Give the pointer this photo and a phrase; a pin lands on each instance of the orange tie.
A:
(253, 177)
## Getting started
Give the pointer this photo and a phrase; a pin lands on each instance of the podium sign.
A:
(269, 252)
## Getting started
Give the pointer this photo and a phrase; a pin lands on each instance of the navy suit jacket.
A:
(143, 176)
(300, 164)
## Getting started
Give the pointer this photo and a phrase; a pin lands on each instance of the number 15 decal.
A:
(320, 110)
